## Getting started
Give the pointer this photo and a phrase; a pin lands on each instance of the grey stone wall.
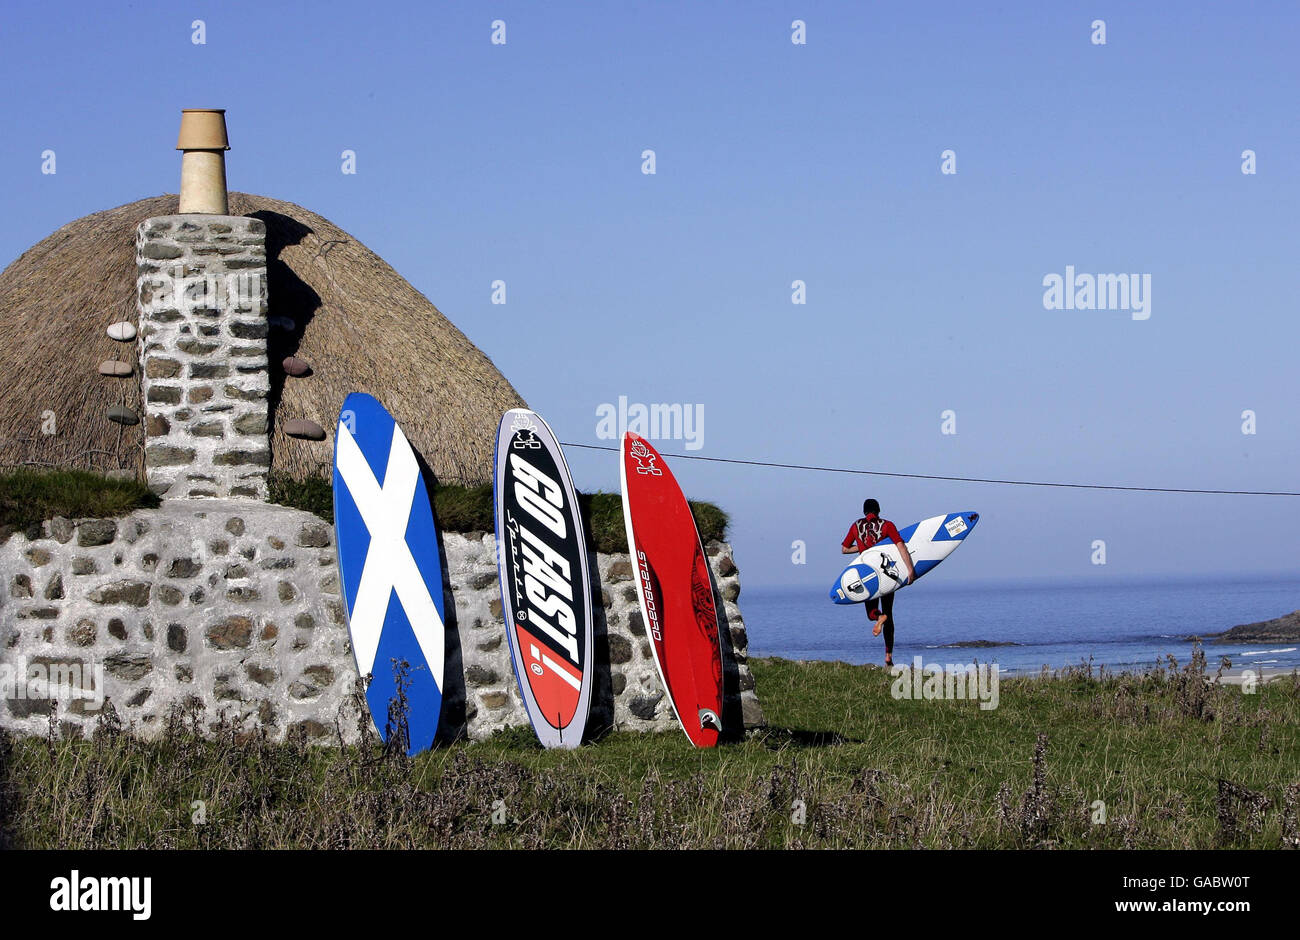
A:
(626, 677)
(233, 607)
(203, 353)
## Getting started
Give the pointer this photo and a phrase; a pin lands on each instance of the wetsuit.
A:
(863, 534)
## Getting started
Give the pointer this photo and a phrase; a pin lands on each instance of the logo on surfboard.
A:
(524, 429)
(542, 579)
(889, 567)
(645, 460)
(650, 585)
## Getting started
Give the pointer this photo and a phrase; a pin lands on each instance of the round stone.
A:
(307, 430)
(120, 414)
(296, 367)
(122, 331)
(115, 368)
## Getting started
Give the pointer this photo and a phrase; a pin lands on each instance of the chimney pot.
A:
(203, 129)
(203, 143)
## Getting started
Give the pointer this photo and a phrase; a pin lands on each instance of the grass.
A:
(604, 514)
(460, 508)
(312, 494)
(29, 497)
(1180, 763)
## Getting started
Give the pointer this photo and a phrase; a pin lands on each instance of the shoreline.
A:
(1233, 676)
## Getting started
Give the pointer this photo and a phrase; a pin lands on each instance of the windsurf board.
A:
(389, 566)
(545, 584)
(674, 589)
(880, 569)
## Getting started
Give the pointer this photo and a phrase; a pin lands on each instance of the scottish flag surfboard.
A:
(389, 566)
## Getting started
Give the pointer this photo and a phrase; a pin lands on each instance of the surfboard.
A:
(545, 584)
(389, 566)
(880, 569)
(674, 590)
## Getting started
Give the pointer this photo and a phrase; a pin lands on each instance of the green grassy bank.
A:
(459, 508)
(28, 497)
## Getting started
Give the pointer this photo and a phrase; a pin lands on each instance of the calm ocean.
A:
(1128, 626)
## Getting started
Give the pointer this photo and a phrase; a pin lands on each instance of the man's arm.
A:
(907, 557)
(849, 545)
(902, 550)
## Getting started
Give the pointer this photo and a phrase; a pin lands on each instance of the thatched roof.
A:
(360, 325)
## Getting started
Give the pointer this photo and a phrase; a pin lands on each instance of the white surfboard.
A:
(880, 569)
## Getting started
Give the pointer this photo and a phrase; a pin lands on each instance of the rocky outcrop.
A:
(1285, 629)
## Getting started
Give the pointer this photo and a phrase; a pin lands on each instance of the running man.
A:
(866, 532)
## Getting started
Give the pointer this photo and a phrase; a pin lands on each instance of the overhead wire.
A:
(954, 479)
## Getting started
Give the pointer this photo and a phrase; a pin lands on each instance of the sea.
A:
(1128, 627)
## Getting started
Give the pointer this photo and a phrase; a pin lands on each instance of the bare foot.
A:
(880, 624)
(889, 660)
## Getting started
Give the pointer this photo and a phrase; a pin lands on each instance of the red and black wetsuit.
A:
(863, 534)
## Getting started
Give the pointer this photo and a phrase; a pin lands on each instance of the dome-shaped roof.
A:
(359, 325)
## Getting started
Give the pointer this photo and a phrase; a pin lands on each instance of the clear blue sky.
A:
(779, 162)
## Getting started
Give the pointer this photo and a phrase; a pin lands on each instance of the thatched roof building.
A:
(359, 324)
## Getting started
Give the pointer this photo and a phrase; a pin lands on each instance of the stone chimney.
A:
(202, 303)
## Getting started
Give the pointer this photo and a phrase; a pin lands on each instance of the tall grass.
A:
(1177, 760)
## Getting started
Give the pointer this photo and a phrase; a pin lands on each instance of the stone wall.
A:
(203, 353)
(232, 606)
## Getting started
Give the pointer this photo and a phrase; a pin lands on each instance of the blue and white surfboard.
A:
(389, 566)
(880, 569)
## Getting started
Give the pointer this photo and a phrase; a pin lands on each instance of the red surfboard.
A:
(672, 583)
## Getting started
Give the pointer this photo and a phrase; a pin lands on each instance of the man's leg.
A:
(887, 605)
(873, 614)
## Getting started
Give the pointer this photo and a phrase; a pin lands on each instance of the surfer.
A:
(863, 534)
